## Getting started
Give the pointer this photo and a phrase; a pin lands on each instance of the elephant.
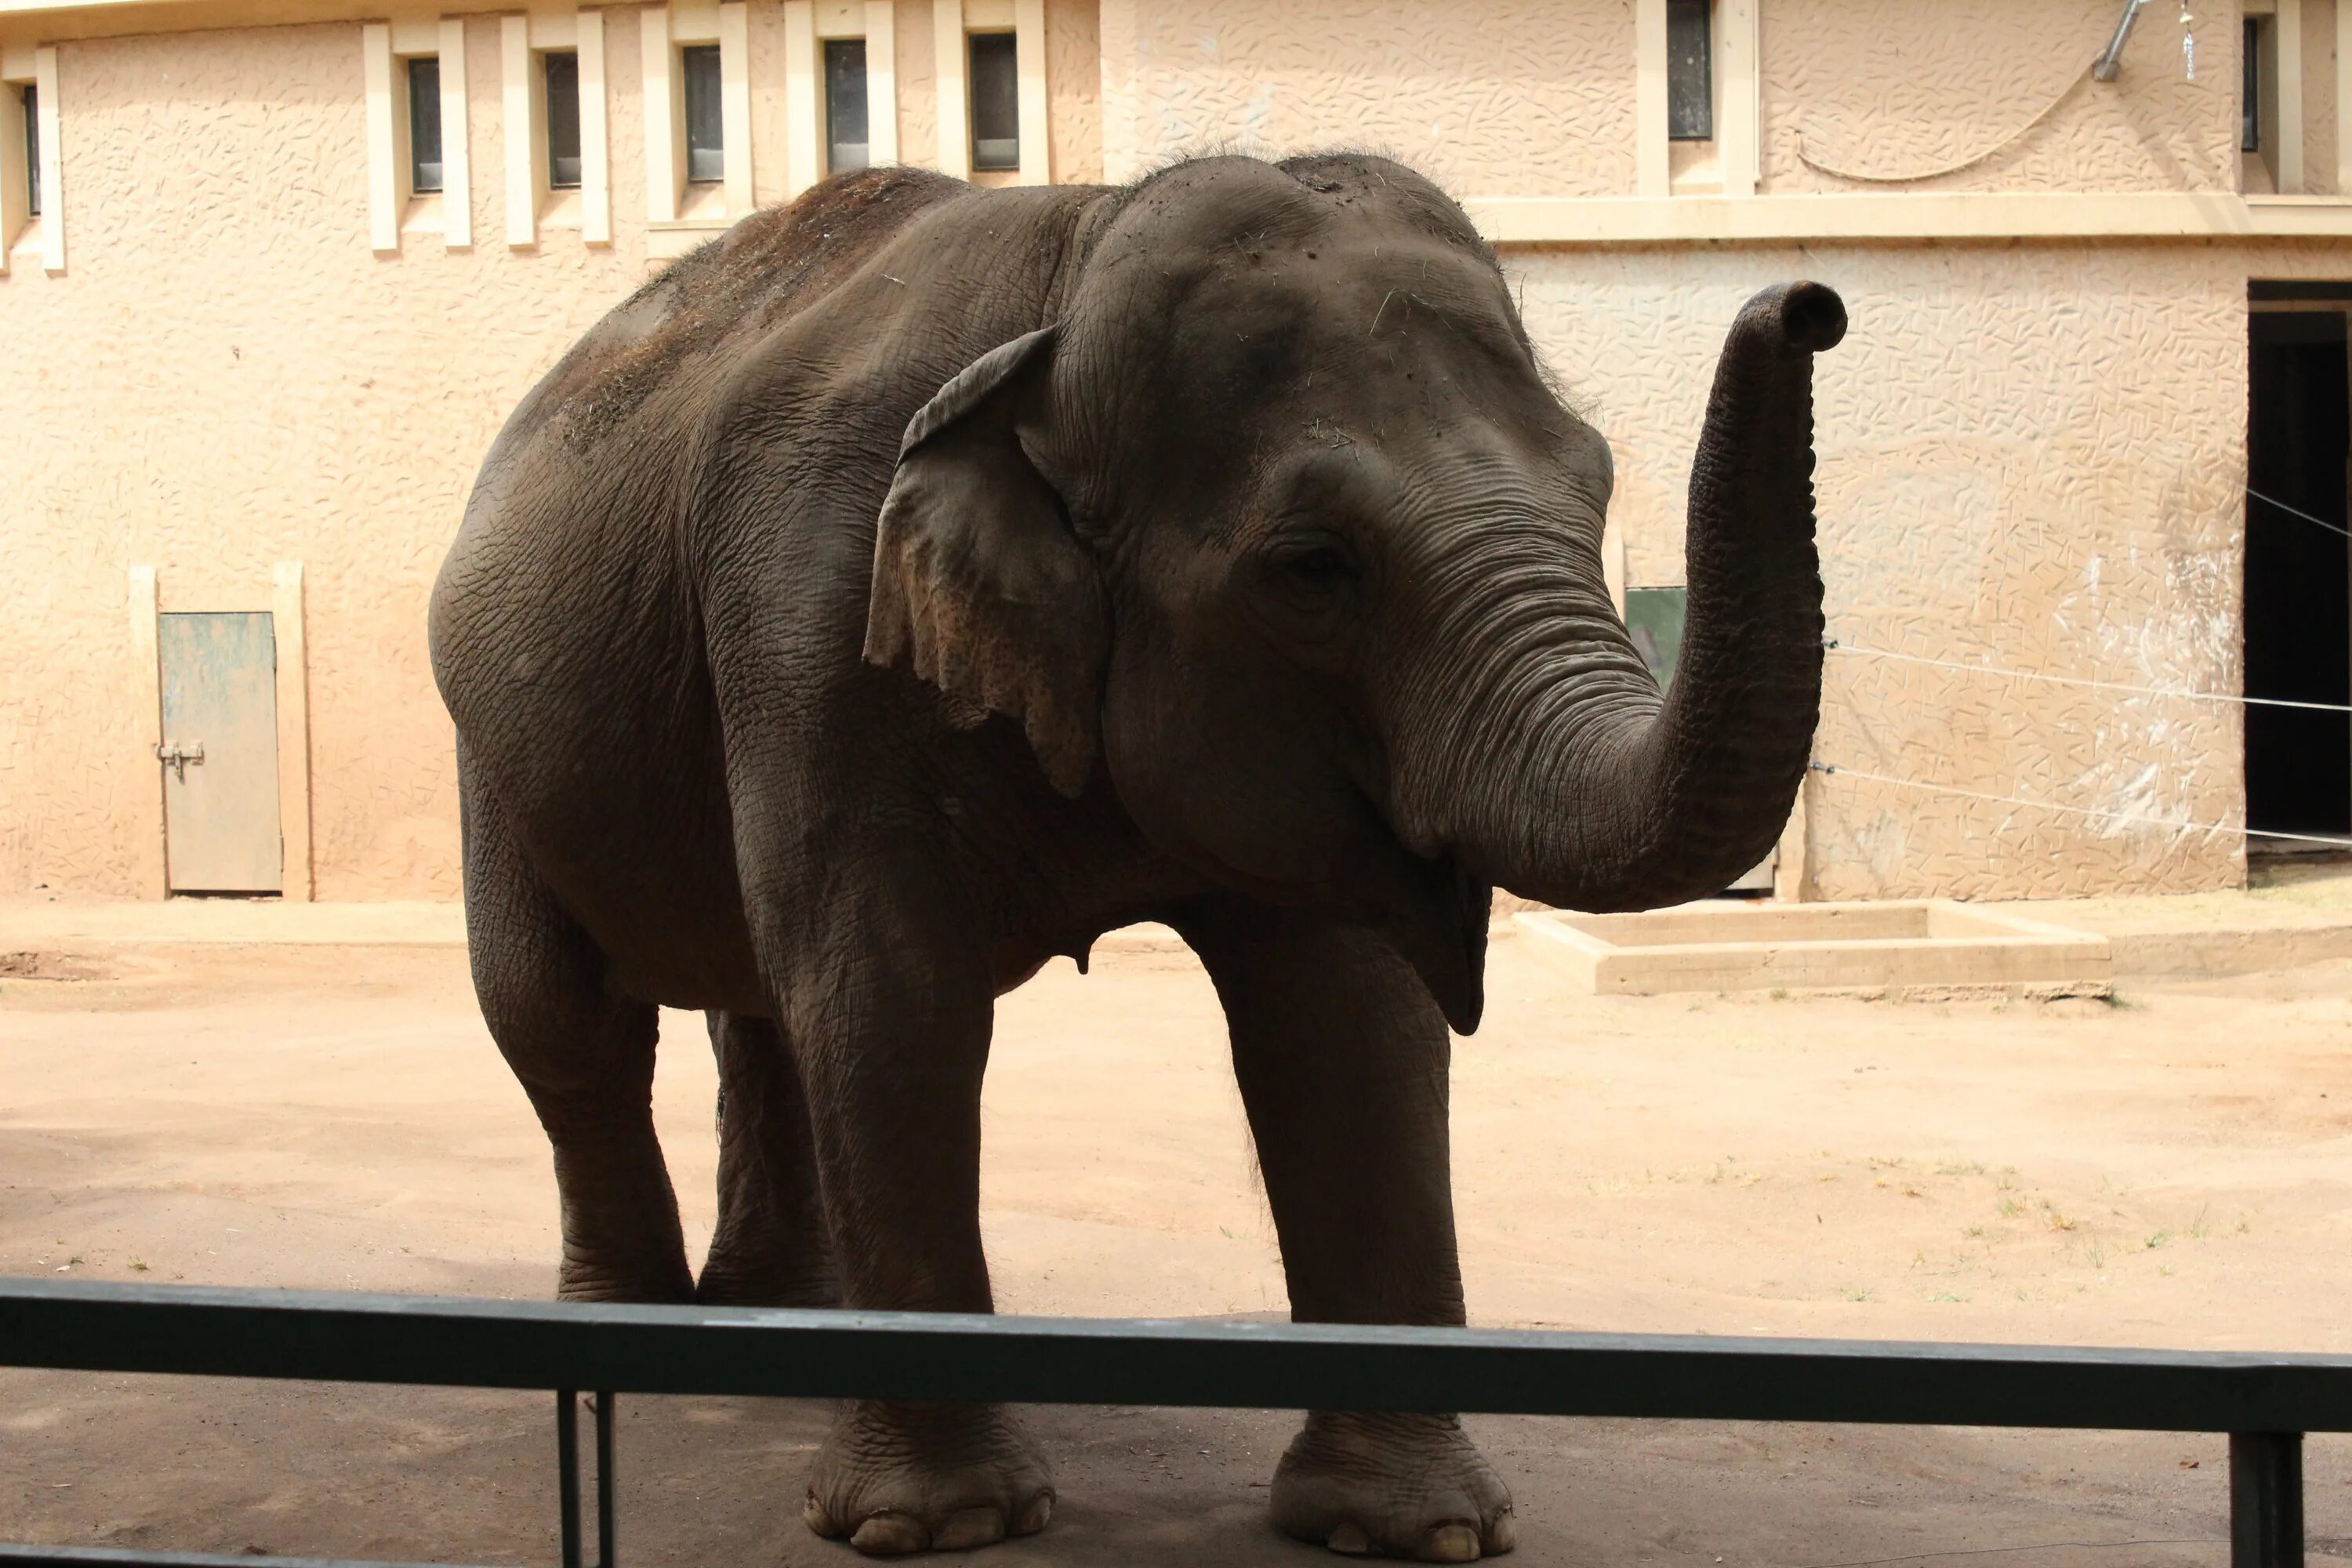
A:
(920, 580)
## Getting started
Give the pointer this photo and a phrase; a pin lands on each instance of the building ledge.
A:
(1698, 220)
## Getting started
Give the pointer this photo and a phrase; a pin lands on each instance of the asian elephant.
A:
(920, 580)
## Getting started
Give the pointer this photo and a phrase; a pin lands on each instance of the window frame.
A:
(417, 125)
(828, 50)
(1681, 28)
(1004, 42)
(550, 170)
(28, 115)
(690, 56)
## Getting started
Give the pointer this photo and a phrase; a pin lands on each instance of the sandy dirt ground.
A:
(2170, 1169)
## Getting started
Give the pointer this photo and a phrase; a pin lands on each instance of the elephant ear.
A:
(979, 582)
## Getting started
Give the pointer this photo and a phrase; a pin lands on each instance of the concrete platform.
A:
(1910, 947)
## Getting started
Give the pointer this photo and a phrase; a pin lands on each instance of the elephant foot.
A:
(730, 1282)
(899, 1479)
(655, 1280)
(1392, 1486)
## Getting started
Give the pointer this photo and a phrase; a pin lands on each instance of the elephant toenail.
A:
(1351, 1540)
(1036, 1516)
(812, 1514)
(968, 1526)
(890, 1534)
(1503, 1535)
(1454, 1542)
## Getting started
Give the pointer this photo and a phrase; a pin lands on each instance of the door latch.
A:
(177, 757)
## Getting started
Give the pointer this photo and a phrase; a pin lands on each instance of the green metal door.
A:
(219, 753)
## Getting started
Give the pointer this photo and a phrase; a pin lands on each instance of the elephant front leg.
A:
(1342, 1060)
(893, 1044)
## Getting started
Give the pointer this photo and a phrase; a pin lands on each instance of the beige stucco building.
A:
(249, 362)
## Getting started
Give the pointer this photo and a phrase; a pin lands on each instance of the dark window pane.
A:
(425, 124)
(995, 103)
(563, 122)
(706, 134)
(844, 105)
(1690, 70)
(2250, 106)
(32, 154)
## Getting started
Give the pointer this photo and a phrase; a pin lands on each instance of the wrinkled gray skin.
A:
(922, 581)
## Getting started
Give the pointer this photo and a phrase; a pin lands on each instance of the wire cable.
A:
(1836, 646)
(2296, 511)
(1839, 771)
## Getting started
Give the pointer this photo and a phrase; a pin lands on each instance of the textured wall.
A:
(2030, 457)
(225, 377)
(1893, 88)
(2030, 454)
(2319, 171)
(1489, 97)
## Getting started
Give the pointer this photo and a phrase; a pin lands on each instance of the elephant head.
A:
(1279, 533)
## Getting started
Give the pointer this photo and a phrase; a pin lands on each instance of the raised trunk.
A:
(1610, 799)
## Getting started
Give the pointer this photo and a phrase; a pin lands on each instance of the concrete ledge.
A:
(34, 925)
(1933, 945)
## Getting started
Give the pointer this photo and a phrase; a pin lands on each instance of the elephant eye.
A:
(1320, 567)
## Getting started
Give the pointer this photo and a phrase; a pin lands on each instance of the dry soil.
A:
(2168, 1169)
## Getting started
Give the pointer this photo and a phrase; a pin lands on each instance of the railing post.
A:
(567, 1473)
(605, 1479)
(2266, 1500)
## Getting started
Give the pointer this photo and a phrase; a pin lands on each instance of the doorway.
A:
(219, 752)
(2298, 583)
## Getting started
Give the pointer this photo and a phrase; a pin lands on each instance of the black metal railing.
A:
(2264, 1402)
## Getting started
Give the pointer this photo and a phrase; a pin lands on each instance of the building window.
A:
(425, 124)
(1690, 70)
(562, 120)
(995, 103)
(32, 153)
(706, 118)
(2250, 102)
(846, 143)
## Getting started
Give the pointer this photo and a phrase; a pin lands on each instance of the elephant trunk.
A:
(1571, 781)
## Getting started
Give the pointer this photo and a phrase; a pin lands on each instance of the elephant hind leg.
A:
(772, 1246)
(585, 1058)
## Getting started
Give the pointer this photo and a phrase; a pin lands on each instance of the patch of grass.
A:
(2056, 1220)
(1970, 1168)
(2156, 1239)
(2123, 1004)
(1861, 1293)
(1947, 1296)
(2010, 1208)
(137, 1267)
(1973, 1232)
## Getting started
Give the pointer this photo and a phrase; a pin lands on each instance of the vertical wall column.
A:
(384, 138)
(1029, 68)
(735, 104)
(950, 60)
(881, 83)
(1739, 67)
(2287, 29)
(522, 93)
(665, 127)
(293, 731)
(803, 105)
(1652, 166)
(53, 161)
(456, 171)
(595, 144)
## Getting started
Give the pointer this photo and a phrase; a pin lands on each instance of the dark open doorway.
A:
(2298, 605)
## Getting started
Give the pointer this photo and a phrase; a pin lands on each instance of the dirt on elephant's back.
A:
(767, 266)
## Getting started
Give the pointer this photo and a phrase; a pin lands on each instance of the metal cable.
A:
(1841, 771)
(1835, 645)
(2296, 511)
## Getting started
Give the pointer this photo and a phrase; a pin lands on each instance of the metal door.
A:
(219, 753)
